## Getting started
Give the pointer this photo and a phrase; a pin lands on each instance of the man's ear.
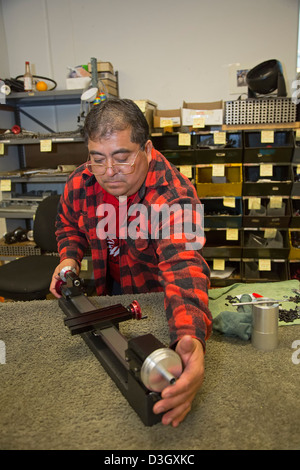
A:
(148, 149)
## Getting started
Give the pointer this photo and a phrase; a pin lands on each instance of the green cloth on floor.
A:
(273, 290)
(237, 323)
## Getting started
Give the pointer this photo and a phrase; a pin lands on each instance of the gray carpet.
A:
(54, 394)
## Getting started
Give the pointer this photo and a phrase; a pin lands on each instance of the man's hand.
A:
(66, 262)
(177, 399)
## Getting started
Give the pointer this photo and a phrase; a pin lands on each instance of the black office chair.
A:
(29, 278)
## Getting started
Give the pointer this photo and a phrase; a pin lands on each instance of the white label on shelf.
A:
(218, 170)
(270, 233)
(184, 138)
(46, 145)
(275, 202)
(5, 185)
(220, 138)
(264, 265)
(229, 201)
(266, 169)
(198, 122)
(218, 264)
(232, 234)
(267, 137)
(254, 203)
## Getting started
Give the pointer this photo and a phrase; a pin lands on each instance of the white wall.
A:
(165, 50)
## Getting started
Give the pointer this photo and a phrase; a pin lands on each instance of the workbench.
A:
(54, 393)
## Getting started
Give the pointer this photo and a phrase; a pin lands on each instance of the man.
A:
(108, 204)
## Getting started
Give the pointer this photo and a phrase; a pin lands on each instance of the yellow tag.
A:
(186, 170)
(264, 265)
(198, 122)
(165, 122)
(298, 134)
(218, 170)
(298, 169)
(5, 185)
(219, 264)
(220, 138)
(229, 201)
(270, 233)
(267, 137)
(254, 203)
(1, 148)
(232, 234)
(184, 138)
(275, 202)
(84, 265)
(46, 145)
(266, 169)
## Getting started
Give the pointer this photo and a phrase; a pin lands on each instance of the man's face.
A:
(118, 148)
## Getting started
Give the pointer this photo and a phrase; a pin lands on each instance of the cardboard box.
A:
(110, 87)
(107, 76)
(102, 67)
(148, 108)
(211, 112)
(78, 83)
(167, 118)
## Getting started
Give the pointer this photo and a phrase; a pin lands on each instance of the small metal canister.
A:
(265, 326)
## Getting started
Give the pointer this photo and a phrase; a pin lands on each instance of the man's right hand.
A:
(66, 262)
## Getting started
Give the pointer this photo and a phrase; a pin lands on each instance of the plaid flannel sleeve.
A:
(184, 274)
(70, 229)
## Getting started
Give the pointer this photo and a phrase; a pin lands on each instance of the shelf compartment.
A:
(279, 183)
(221, 213)
(219, 246)
(251, 272)
(208, 152)
(281, 150)
(266, 243)
(266, 216)
(230, 184)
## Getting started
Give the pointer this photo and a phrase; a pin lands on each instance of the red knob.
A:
(58, 286)
(136, 310)
(16, 129)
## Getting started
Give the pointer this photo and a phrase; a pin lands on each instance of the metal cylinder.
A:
(265, 326)
(161, 368)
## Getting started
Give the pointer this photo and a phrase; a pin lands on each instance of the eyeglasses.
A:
(100, 169)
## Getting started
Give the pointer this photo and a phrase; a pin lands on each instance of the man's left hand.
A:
(177, 399)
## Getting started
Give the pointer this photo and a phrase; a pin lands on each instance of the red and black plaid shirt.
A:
(150, 263)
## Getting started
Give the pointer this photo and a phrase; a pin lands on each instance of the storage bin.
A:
(262, 244)
(209, 152)
(266, 216)
(294, 243)
(231, 274)
(218, 214)
(279, 183)
(294, 269)
(219, 245)
(251, 272)
(230, 184)
(281, 150)
(296, 151)
(168, 141)
(295, 212)
(295, 171)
